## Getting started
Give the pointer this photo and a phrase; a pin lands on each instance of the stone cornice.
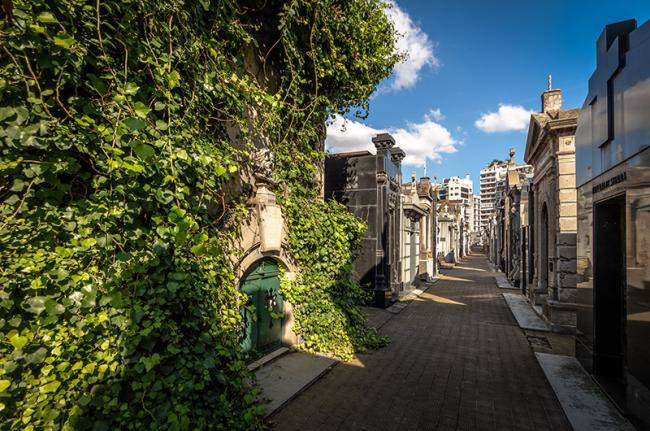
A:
(548, 132)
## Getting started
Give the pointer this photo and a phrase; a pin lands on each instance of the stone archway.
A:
(258, 274)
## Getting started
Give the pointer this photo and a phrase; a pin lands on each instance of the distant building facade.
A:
(489, 180)
(456, 188)
(418, 244)
(550, 149)
(449, 231)
(511, 219)
(476, 220)
(461, 191)
(613, 178)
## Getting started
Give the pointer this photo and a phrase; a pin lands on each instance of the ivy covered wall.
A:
(126, 128)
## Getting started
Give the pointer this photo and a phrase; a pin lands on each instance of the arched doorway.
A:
(264, 311)
(543, 249)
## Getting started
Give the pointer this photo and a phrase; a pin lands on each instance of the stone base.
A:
(422, 279)
(538, 297)
(382, 298)
(561, 315)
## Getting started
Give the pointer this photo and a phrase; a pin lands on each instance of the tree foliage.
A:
(125, 129)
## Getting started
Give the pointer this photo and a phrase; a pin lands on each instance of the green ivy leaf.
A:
(4, 384)
(87, 242)
(143, 151)
(6, 112)
(36, 304)
(97, 83)
(141, 109)
(37, 28)
(50, 387)
(135, 123)
(46, 17)
(130, 88)
(173, 79)
(151, 361)
(37, 357)
(18, 341)
(64, 40)
(53, 308)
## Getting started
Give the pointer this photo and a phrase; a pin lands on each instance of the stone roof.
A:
(542, 122)
(569, 113)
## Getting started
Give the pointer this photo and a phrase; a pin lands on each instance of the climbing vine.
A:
(126, 129)
(324, 237)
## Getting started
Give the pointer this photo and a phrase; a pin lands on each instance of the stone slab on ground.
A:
(524, 314)
(503, 283)
(284, 378)
(268, 358)
(585, 405)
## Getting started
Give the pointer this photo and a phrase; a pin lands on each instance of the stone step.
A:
(585, 404)
(524, 314)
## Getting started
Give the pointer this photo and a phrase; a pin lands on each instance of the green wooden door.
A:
(263, 324)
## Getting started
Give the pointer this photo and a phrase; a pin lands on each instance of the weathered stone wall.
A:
(555, 189)
(562, 311)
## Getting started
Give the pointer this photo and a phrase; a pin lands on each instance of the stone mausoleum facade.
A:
(261, 260)
(613, 247)
(399, 244)
(418, 245)
(550, 149)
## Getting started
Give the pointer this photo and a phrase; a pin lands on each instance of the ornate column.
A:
(383, 142)
(396, 281)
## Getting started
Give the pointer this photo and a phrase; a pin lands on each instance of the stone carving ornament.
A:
(263, 165)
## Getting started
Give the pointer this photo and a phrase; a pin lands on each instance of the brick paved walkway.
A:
(457, 361)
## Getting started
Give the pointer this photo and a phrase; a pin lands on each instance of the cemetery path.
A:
(457, 361)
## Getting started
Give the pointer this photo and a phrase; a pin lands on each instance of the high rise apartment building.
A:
(491, 175)
(477, 214)
(461, 191)
(457, 189)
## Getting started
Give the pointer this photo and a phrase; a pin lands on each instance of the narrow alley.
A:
(457, 360)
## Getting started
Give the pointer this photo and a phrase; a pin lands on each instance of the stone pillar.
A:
(562, 312)
(383, 142)
(397, 280)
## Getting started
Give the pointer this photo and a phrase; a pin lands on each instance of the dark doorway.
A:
(609, 292)
(413, 252)
(543, 250)
(524, 268)
(531, 236)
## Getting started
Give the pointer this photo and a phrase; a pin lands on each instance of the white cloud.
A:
(435, 114)
(413, 42)
(507, 118)
(348, 135)
(420, 141)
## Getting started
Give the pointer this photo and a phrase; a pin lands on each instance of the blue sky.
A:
(469, 57)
